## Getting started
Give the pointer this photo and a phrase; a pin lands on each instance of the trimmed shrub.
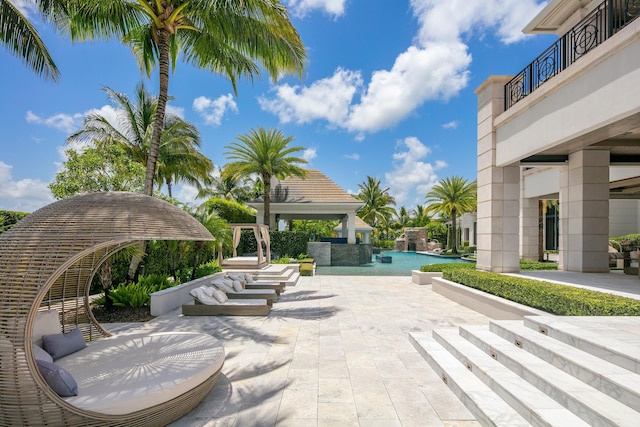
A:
(526, 264)
(306, 261)
(550, 297)
(207, 269)
(430, 268)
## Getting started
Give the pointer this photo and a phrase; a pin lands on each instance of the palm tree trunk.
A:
(454, 232)
(152, 158)
(163, 62)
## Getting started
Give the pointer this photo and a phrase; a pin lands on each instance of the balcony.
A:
(603, 22)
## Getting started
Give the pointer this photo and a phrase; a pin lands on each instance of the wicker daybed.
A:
(47, 262)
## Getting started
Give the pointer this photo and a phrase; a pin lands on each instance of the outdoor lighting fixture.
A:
(632, 7)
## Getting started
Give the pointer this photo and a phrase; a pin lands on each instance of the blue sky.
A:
(388, 92)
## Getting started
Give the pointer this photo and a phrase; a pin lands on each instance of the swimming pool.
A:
(401, 265)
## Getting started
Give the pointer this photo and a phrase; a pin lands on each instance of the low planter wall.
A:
(424, 277)
(170, 299)
(490, 305)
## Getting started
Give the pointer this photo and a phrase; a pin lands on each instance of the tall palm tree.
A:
(264, 152)
(179, 153)
(378, 203)
(420, 217)
(235, 38)
(450, 197)
(228, 188)
(21, 38)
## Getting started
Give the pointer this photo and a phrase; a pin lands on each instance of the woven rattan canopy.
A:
(48, 260)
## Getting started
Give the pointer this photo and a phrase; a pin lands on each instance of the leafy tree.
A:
(9, 218)
(452, 196)
(230, 37)
(402, 219)
(420, 217)
(104, 168)
(377, 202)
(21, 38)
(228, 210)
(264, 152)
(319, 228)
(229, 188)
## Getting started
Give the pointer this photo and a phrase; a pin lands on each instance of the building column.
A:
(351, 228)
(584, 212)
(529, 223)
(498, 188)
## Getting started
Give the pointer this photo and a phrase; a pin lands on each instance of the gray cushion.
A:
(40, 354)
(58, 378)
(59, 345)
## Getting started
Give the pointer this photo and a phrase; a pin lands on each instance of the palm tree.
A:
(450, 197)
(228, 188)
(377, 202)
(21, 38)
(402, 219)
(420, 217)
(179, 153)
(264, 152)
(233, 38)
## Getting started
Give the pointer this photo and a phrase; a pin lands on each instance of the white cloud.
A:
(411, 176)
(24, 195)
(435, 67)
(451, 125)
(176, 111)
(327, 99)
(354, 156)
(186, 193)
(331, 7)
(26, 7)
(309, 154)
(65, 122)
(213, 110)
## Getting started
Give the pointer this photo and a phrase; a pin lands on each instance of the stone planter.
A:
(423, 278)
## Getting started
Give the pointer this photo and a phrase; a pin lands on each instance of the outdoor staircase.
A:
(543, 371)
(282, 273)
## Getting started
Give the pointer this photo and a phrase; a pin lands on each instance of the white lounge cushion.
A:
(224, 286)
(238, 286)
(127, 373)
(202, 296)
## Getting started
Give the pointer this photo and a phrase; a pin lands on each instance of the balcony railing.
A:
(603, 22)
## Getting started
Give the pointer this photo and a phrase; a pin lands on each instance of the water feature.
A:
(401, 265)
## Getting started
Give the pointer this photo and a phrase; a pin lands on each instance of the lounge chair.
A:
(248, 282)
(237, 291)
(206, 304)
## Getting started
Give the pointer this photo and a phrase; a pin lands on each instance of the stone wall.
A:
(320, 252)
(413, 239)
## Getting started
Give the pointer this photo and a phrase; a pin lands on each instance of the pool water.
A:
(401, 265)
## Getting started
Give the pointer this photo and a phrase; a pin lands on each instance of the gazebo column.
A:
(351, 227)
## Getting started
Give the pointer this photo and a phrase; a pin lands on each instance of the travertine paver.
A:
(333, 352)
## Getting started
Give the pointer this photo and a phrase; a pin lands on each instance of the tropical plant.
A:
(179, 156)
(402, 219)
(265, 152)
(9, 218)
(21, 38)
(231, 38)
(229, 187)
(377, 202)
(419, 217)
(452, 196)
(106, 271)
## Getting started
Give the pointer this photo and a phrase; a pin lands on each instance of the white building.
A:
(567, 128)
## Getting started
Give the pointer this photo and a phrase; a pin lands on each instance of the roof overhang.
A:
(553, 15)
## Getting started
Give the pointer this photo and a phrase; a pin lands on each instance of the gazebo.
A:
(315, 197)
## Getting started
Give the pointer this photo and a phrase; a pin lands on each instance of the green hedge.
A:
(430, 268)
(306, 269)
(536, 265)
(550, 297)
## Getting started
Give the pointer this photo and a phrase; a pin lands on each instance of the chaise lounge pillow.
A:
(238, 278)
(237, 285)
(248, 278)
(59, 379)
(60, 345)
(223, 286)
(202, 297)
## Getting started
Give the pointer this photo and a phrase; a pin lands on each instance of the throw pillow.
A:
(237, 285)
(47, 322)
(202, 297)
(60, 345)
(220, 296)
(248, 278)
(58, 378)
(224, 286)
(40, 354)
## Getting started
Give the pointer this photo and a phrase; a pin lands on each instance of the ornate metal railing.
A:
(603, 22)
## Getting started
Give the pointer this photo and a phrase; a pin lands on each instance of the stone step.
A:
(615, 339)
(293, 279)
(591, 404)
(614, 381)
(531, 403)
(482, 402)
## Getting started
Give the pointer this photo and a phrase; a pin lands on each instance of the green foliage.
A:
(106, 168)
(9, 218)
(526, 264)
(284, 259)
(630, 242)
(430, 268)
(136, 295)
(384, 244)
(207, 269)
(306, 269)
(550, 297)
(302, 256)
(232, 212)
(437, 231)
(315, 228)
